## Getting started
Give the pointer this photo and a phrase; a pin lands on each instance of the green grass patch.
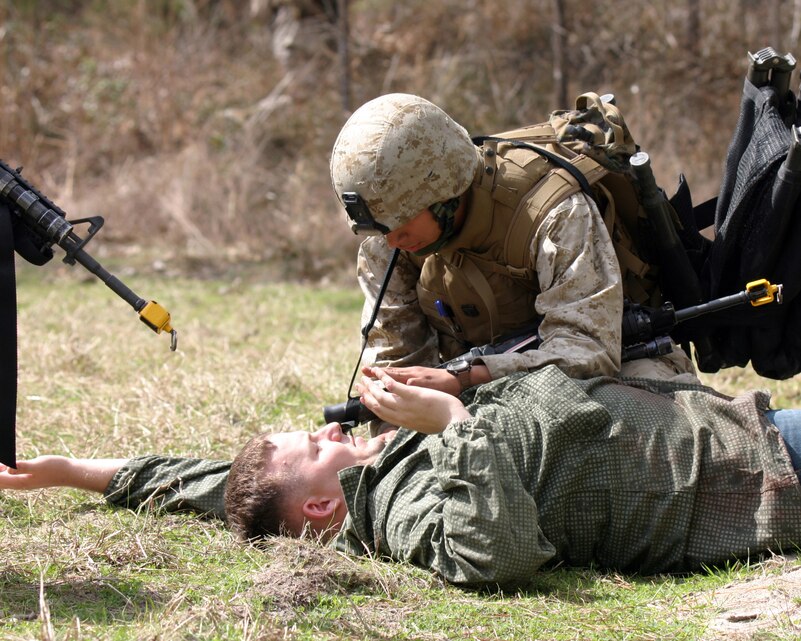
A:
(253, 356)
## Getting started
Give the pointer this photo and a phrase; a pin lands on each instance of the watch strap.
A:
(462, 373)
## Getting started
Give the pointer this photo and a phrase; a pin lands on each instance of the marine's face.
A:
(419, 232)
(319, 456)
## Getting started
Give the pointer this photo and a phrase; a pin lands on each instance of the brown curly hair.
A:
(256, 496)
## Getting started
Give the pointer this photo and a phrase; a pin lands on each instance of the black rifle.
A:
(31, 224)
(48, 225)
(646, 330)
(646, 334)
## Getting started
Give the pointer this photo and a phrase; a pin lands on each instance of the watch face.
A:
(457, 367)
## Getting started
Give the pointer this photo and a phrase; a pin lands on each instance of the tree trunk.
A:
(795, 31)
(344, 55)
(693, 45)
(558, 37)
(776, 25)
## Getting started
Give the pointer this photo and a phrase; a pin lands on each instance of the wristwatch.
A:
(461, 370)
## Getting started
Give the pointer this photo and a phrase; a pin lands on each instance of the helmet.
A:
(397, 155)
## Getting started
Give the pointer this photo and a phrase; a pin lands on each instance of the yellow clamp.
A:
(158, 319)
(767, 292)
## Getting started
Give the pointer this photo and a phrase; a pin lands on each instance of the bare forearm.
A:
(92, 475)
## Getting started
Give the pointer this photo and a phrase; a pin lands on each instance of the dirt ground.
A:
(766, 606)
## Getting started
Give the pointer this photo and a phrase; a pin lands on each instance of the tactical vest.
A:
(468, 291)
(482, 286)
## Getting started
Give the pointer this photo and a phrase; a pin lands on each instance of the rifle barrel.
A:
(712, 306)
(109, 279)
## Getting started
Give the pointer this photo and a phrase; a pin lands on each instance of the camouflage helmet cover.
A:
(402, 154)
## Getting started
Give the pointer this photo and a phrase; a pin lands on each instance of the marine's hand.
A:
(418, 408)
(432, 377)
(59, 471)
(43, 471)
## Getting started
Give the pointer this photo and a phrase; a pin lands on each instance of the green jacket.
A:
(552, 470)
(171, 483)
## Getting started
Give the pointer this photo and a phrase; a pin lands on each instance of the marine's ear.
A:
(318, 508)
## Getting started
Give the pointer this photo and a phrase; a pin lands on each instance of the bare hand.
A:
(418, 408)
(430, 377)
(59, 471)
(43, 471)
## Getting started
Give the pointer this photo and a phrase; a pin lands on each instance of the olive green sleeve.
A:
(172, 484)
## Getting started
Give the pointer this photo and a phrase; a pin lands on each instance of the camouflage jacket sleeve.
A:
(171, 483)
(581, 299)
(401, 336)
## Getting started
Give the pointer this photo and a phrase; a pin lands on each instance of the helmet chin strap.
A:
(445, 215)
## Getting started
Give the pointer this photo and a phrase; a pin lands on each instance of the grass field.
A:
(93, 381)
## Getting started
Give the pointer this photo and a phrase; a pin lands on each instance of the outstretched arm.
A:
(92, 475)
(417, 408)
(171, 483)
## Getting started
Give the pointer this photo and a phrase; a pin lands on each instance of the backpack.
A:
(757, 222)
(590, 148)
(756, 218)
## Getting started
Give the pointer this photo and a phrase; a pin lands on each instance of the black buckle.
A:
(360, 215)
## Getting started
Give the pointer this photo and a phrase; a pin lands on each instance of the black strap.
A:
(369, 325)
(554, 158)
(8, 342)
(705, 213)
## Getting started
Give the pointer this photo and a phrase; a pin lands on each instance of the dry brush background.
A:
(201, 129)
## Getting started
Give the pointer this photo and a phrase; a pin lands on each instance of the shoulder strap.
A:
(557, 185)
(482, 287)
(568, 177)
(554, 158)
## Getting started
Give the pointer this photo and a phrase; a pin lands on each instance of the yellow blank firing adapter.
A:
(762, 292)
(158, 319)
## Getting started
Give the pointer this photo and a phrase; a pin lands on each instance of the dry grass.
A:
(252, 356)
(248, 354)
(93, 381)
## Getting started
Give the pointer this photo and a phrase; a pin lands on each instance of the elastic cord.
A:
(445, 214)
(369, 325)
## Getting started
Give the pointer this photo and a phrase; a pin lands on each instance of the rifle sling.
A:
(8, 341)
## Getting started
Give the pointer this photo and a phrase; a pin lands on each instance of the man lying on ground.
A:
(533, 470)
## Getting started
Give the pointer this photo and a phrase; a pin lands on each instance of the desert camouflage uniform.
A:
(580, 304)
(401, 154)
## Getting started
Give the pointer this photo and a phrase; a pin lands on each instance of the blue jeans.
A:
(789, 424)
